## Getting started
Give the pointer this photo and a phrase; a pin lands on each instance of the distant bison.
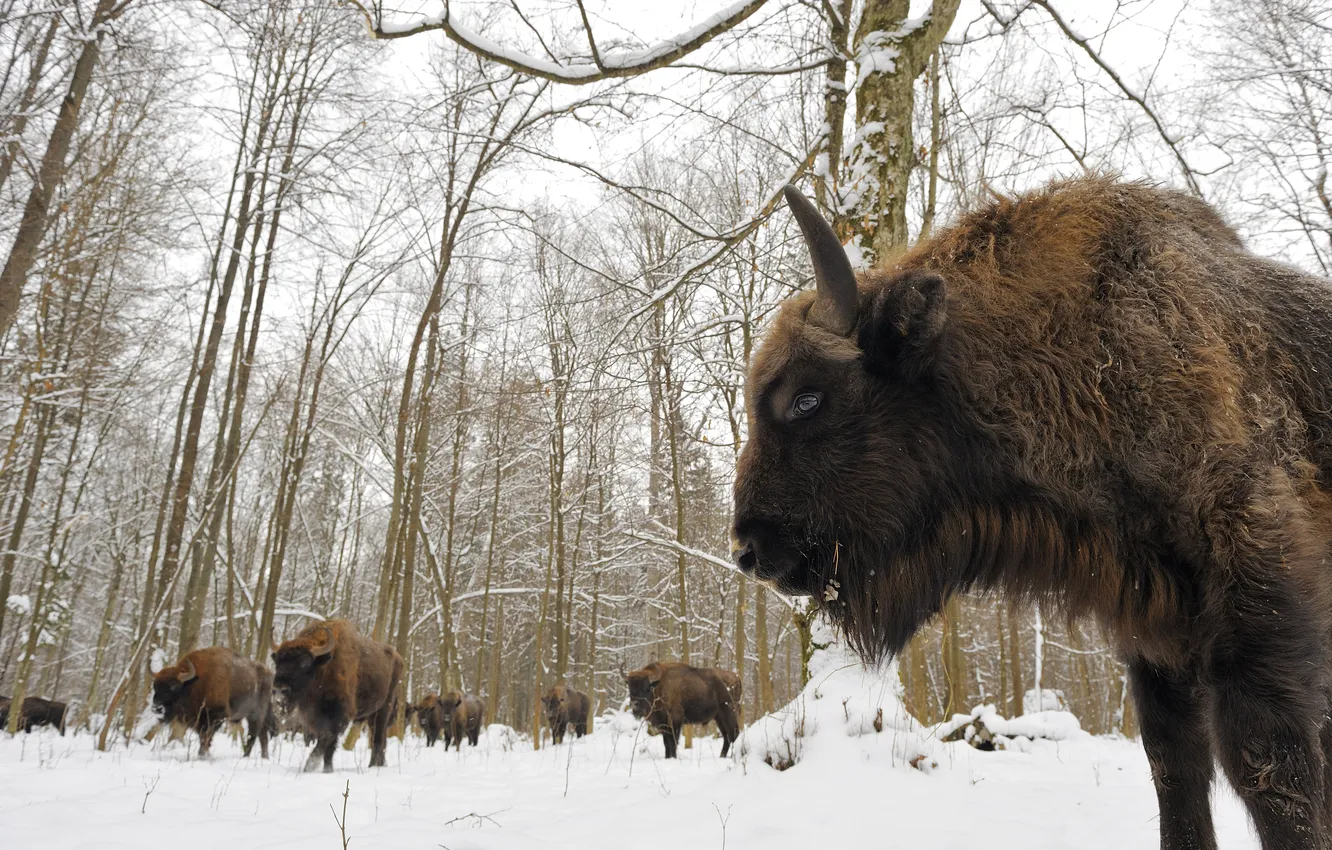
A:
(670, 694)
(211, 686)
(37, 711)
(462, 718)
(430, 714)
(1094, 397)
(332, 676)
(565, 707)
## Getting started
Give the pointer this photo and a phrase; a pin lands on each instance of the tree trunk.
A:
(36, 212)
(890, 53)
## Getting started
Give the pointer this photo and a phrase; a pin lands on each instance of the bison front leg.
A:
(325, 744)
(1266, 714)
(379, 735)
(557, 732)
(1172, 718)
(670, 735)
(207, 729)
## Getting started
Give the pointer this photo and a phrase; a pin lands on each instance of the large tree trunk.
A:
(891, 51)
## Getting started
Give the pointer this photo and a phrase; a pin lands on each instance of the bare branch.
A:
(574, 70)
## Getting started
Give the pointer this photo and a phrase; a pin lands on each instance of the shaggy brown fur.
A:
(333, 677)
(462, 718)
(670, 694)
(430, 715)
(565, 706)
(211, 686)
(1092, 397)
(37, 711)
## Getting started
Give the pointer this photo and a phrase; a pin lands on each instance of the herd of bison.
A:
(330, 676)
(1091, 397)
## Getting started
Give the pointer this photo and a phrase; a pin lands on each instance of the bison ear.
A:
(838, 299)
(908, 318)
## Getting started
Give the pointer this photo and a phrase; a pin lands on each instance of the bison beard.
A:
(332, 676)
(211, 686)
(1091, 397)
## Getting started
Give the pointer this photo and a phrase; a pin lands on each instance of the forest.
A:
(438, 321)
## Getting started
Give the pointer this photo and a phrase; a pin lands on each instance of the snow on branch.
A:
(574, 70)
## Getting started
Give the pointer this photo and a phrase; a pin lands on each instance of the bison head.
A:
(642, 694)
(295, 663)
(169, 685)
(556, 701)
(852, 452)
(448, 702)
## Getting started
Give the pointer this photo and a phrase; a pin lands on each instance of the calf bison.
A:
(332, 676)
(565, 706)
(670, 694)
(211, 686)
(462, 718)
(1092, 397)
(431, 717)
(37, 711)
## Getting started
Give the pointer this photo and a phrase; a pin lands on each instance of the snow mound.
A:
(1010, 733)
(847, 710)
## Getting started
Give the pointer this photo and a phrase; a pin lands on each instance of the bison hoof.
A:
(328, 768)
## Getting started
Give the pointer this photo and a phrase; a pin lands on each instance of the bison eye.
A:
(805, 405)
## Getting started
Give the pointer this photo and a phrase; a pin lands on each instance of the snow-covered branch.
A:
(573, 70)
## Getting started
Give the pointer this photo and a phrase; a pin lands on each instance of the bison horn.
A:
(188, 673)
(838, 301)
(326, 647)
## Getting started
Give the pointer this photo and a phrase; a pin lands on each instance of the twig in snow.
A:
(342, 823)
(151, 788)
(724, 821)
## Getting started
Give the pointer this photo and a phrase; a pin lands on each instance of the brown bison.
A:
(1095, 398)
(37, 711)
(565, 707)
(209, 687)
(430, 715)
(332, 676)
(462, 718)
(670, 694)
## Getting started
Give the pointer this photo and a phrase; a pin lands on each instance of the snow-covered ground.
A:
(610, 790)
(852, 786)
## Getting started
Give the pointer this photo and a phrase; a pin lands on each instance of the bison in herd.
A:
(330, 676)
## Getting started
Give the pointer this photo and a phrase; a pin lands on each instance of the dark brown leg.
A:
(1173, 721)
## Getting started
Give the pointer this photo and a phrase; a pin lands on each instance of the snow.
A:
(851, 783)
(1051, 700)
(20, 604)
(610, 790)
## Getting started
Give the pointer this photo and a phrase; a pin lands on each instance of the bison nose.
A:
(745, 558)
